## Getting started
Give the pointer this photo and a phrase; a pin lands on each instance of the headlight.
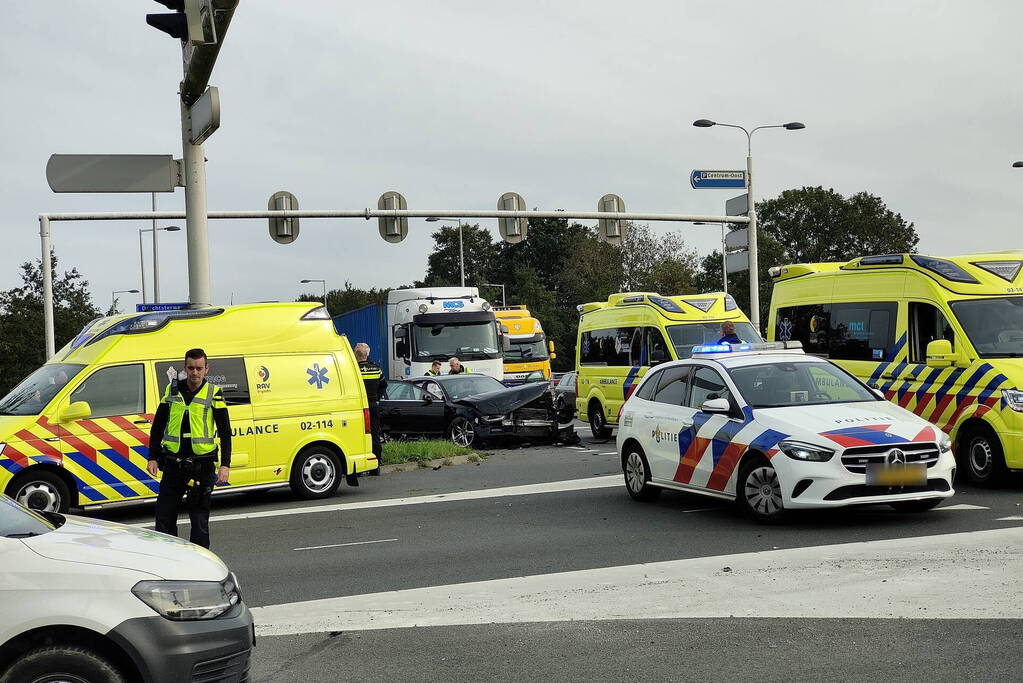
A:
(189, 600)
(806, 452)
(944, 443)
(1014, 397)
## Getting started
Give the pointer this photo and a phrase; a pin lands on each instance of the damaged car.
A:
(473, 409)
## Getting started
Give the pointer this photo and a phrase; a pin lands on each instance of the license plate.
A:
(910, 474)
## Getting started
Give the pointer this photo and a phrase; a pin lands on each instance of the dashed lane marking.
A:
(344, 545)
(963, 506)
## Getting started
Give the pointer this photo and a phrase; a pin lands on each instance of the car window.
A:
(433, 389)
(403, 391)
(118, 390)
(646, 391)
(707, 384)
(672, 386)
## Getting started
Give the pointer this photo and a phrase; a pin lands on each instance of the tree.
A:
(654, 263)
(22, 335)
(442, 266)
(348, 299)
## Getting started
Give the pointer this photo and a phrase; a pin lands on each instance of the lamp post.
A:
(461, 253)
(494, 284)
(754, 262)
(322, 282)
(113, 296)
(156, 261)
(724, 255)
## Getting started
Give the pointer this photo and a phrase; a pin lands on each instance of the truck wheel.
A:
(38, 489)
(316, 473)
(62, 663)
(982, 457)
(598, 423)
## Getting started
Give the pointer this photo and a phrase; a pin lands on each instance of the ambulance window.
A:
(119, 390)
(862, 331)
(926, 323)
(707, 384)
(610, 346)
(656, 348)
(806, 324)
(672, 386)
(636, 356)
(229, 375)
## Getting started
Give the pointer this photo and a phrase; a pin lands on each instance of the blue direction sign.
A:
(158, 308)
(718, 179)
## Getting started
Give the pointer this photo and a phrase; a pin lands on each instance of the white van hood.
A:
(109, 544)
(849, 424)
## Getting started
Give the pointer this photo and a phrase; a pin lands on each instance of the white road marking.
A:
(702, 510)
(970, 575)
(1013, 518)
(610, 453)
(342, 545)
(962, 506)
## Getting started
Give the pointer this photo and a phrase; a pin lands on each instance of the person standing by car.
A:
(183, 443)
(434, 370)
(456, 366)
(728, 335)
(373, 377)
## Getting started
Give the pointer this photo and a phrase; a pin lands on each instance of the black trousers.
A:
(374, 428)
(173, 487)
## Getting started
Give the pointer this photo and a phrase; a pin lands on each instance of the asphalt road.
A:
(406, 535)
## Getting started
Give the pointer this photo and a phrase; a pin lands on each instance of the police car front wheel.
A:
(62, 663)
(316, 473)
(759, 492)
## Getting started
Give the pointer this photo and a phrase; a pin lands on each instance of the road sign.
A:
(283, 230)
(737, 239)
(717, 179)
(513, 230)
(204, 116)
(737, 206)
(610, 229)
(158, 308)
(112, 173)
(737, 262)
(393, 230)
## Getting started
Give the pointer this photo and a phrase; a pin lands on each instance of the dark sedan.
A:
(470, 409)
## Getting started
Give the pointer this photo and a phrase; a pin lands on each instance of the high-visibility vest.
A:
(202, 427)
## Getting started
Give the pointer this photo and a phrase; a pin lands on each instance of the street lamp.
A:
(493, 284)
(461, 253)
(724, 252)
(113, 296)
(754, 262)
(156, 261)
(322, 282)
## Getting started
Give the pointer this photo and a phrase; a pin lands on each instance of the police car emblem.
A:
(896, 457)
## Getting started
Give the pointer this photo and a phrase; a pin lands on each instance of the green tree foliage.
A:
(657, 263)
(442, 268)
(22, 335)
(349, 298)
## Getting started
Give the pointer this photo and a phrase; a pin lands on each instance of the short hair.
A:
(728, 327)
(454, 359)
(435, 362)
(362, 349)
(196, 354)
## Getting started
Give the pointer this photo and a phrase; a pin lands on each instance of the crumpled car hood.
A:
(504, 401)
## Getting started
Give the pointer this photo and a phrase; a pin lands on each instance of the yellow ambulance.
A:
(623, 337)
(528, 349)
(942, 337)
(75, 433)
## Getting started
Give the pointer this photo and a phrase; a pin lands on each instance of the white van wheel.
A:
(315, 474)
(41, 490)
(62, 663)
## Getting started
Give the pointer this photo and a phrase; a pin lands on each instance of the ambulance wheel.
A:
(982, 457)
(62, 663)
(916, 505)
(598, 423)
(316, 473)
(40, 490)
(637, 475)
(462, 433)
(759, 491)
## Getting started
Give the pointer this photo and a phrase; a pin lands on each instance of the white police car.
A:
(777, 430)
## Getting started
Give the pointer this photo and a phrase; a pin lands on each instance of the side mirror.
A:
(401, 349)
(716, 405)
(79, 410)
(427, 399)
(877, 392)
(940, 354)
(400, 332)
(553, 355)
(550, 347)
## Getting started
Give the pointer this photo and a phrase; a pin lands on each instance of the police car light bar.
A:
(736, 348)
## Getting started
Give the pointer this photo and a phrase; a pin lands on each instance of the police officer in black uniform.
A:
(373, 377)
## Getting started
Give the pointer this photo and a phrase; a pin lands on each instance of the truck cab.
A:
(528, 349)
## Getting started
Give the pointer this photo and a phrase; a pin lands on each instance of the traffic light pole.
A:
(193, 170)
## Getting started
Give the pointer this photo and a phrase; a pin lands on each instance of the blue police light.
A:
(713, 348)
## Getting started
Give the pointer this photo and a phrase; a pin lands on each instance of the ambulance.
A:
(528, 350)
(942, 337)
(75, 433)
(623, 337)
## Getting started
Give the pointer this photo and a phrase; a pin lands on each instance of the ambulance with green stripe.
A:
(623, 337)
(942, 337)
(75, 433)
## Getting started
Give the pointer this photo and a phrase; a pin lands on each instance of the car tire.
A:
(981, 455)
(462, 433)
(758, 492)
(637, 475)
(62, 663)
(40, 489)
(316, 473)
(916, 505)
(598, 423)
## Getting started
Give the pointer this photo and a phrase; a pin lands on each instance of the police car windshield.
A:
(38, 389)
(471, 385)
(19, 522)
(525, 352)
(776, 385)
(994, 326)
(467, 341)
(685, 337)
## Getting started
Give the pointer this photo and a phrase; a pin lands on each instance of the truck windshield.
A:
(37, 390)
(467, 341)
(994, 326)
(523, 352)
(19, 522)
(685, 337)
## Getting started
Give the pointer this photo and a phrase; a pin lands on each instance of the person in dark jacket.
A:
(456, 366)
(373, 377)
(728, 335)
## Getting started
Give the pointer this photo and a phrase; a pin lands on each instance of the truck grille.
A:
(857, 458)
(230, 669)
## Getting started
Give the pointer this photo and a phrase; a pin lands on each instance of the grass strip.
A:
(419, 450)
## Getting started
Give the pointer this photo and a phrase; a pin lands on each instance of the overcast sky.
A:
(454, 103)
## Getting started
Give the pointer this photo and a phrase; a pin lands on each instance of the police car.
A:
(777, 430)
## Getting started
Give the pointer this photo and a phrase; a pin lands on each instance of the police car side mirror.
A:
(79, 410)
(716, 405)
(877, 392)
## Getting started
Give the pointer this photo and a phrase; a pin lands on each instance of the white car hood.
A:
(849, 424)
(110, 544)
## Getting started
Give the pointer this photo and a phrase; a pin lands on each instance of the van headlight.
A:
(805, 451)
(1014, 399)
(945, 443)
(189, 600)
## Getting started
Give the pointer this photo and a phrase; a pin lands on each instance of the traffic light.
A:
(191, 21)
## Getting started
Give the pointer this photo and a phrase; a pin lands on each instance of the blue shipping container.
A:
(369, 325)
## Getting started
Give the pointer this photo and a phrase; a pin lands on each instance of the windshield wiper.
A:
(23, 534)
